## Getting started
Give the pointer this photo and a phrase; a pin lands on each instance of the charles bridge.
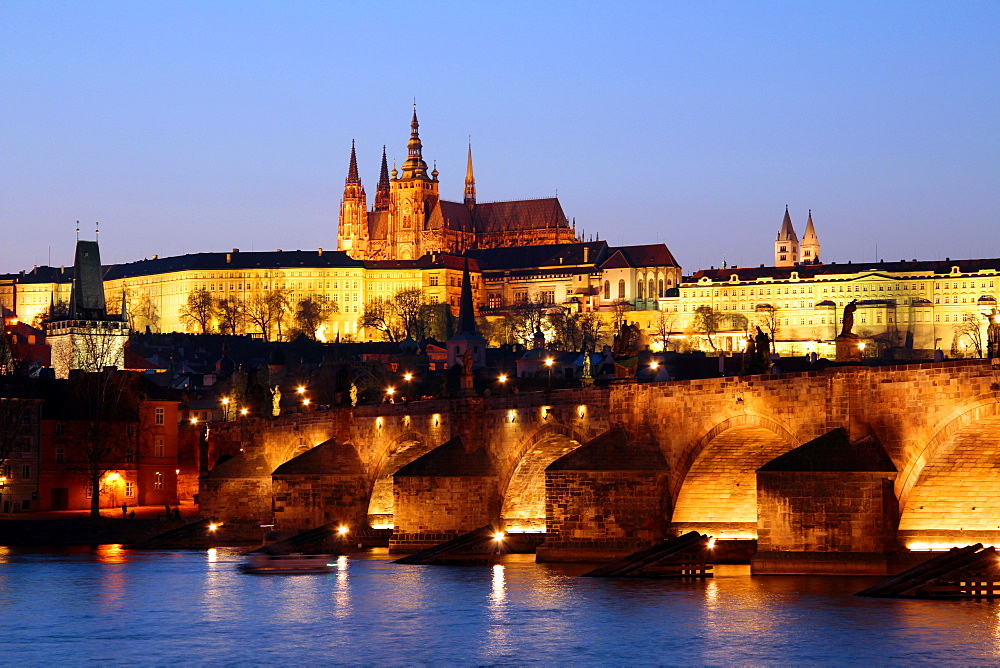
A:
(855, 462)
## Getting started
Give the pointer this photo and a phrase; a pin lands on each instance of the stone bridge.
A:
(622, 465)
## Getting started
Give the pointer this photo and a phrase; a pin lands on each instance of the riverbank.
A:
(76, 527)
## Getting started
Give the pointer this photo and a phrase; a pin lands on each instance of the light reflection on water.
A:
(109, 605)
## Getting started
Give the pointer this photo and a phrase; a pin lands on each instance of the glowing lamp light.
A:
(225, 401)
(194, 420)
(654, 365)
(342, 530)
(390, 391)
(549, 361)
(244, 411)
(305, 402)
(711, 543)
(499, 536)
(408, 377)
(112, 477)
(502, 378)
(861, 345)
(213, 527)
(177, 471)
(301, 389)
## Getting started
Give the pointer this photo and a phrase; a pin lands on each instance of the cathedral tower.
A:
(810, 243)
(382, 191)
(412, 195)
(786, 247)
(352, 231)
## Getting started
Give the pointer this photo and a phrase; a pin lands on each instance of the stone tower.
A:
(786, 247)
(810, 243)
(89, 339)
(352, 231)
(412, 195)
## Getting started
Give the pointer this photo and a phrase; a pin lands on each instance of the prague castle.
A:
(408, 218)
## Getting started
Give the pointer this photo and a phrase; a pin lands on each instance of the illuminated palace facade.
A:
(408, 219)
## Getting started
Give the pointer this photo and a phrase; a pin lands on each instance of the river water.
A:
(106, 605)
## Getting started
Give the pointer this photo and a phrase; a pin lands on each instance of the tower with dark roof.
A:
(786, 246)
(468, 337)
(89, 339)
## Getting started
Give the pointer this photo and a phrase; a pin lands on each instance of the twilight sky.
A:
(202, 126)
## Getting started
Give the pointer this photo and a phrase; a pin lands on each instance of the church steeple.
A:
(415, 167)
(786, 246)
(382, 191)
(352, 170)
(466, 310)
(470, 181)
(810, 242)
(352, 230)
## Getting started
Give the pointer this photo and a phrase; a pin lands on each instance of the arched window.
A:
(607, 289)
(662, 294)
(621, 289)
(639, 290)
(652, 288)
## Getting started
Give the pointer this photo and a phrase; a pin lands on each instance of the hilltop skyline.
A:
(203, 127)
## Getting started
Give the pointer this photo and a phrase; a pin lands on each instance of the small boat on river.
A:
(286, 564)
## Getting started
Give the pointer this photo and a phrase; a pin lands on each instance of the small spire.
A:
(787, 232)
(470, 180)
(382, 191)
(414, 167)
(466, 312)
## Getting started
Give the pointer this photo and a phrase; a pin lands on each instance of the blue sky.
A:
(198, 126)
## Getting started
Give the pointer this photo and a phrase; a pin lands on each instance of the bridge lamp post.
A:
(389, 392)
(549, 362)
(244, 411)
(407, 376)
(225, 409)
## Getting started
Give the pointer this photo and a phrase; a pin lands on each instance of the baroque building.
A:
(408, 218)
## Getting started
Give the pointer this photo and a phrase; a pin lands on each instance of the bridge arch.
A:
(405, 448)
(950, 492)
(523, 490)
(716, 486)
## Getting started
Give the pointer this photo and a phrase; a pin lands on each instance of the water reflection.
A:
(111, 554)
(498, 632)
(342, 590)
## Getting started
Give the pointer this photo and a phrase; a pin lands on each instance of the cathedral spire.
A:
(786, 246)
(414, 167)
(470, 181)
(352, 170)
(382, 191)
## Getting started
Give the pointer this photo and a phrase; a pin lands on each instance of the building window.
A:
(130, 456)
(640, 290)
(60, 456)
(158, 446)
(160, 416)
(493, 302)
(607, 289)
(129, 489)
(157, 480)
(621, 289)
(26, 472)
(433, 281)
(661, 288)
(88, 491)
(60, 429)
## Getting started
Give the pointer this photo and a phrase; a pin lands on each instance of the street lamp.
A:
(194, 420)
(549, 362)
(306, 402)
(407, 376)
(244, 411)
(502, 378)
(225, 408)
(301, 389)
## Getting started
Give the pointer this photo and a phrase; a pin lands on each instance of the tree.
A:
(379, 315)
(968, 334)
(408, 305)
(395, 319)
(706, 323)
(767, 320)
(232, 315)
(311, 312)
(265, 309)
(665, 322)
(621, 307)
(141, 309)
(199, 309)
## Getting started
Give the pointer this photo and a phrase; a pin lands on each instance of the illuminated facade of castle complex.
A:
(409, 219)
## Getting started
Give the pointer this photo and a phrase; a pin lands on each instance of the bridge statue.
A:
(276, 401)
(849, 318)
(993, 335)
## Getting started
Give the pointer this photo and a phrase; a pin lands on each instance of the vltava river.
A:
(104, 605)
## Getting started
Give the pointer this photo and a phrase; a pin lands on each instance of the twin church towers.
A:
(408, 218)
